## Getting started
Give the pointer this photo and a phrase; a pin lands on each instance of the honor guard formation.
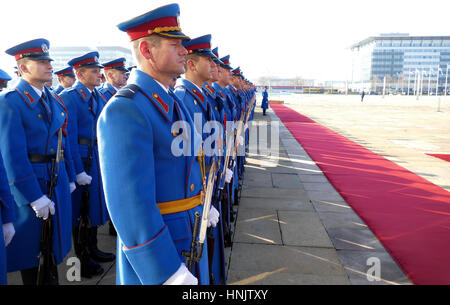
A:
(157, 157)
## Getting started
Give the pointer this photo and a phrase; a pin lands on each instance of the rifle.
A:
(84, 225)
(48, 269)
(195, 252)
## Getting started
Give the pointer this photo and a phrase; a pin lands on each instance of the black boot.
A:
(112, 230)
(95, 253)
(89, 267)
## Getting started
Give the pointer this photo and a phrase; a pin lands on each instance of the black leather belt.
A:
(36, 158)
(85, 141)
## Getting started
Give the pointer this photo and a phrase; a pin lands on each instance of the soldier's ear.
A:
(22, 67)
(146, 50)
(190, 64)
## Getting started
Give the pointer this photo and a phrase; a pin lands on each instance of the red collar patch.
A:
(28, 95)
(161, 102)
(199, 95)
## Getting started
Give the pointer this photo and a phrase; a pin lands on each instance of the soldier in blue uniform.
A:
(218, 257)
(84, 104)
(265, 100)
(4, 79)
(31, 118)
(66, 79)
(7, 216)
(152, 203)
(199, 65)
(116, 77)
(229, 118)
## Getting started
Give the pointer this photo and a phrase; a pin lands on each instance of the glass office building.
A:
(402, 62)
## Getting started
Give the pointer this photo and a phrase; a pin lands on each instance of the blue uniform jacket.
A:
(135, 144)
(265, 100)
(26, 130)
(84, 111)
(7, 215)
(58, 89)
(196, 102)
(218, 264)
(107, 90)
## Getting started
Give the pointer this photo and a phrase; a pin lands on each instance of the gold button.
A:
(174, 133)
(62, 113)
(195, 102)
(155, 95)
(216, 109)
(52, 150)
(192, 187)
(90, 108)
(40, 116)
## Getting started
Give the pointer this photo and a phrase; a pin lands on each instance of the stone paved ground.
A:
(292, 227)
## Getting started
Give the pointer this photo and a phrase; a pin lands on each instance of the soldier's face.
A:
(204, 68)
(169, 57)
(91, 77)
(214, 72)
(39, 70)
(67, 81)
(223, 77)
(118, 78)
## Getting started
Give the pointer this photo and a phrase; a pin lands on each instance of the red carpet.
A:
(441, 156)
(408, 214)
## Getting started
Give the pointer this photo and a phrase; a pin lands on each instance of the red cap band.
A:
(151, 27)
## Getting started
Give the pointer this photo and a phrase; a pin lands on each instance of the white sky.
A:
(283, 38)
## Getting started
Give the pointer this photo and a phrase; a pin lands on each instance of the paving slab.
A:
(259, 192)
(257, 226)
(303, 229)
(298, 204)
(260, 258)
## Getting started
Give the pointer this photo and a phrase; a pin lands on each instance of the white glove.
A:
(8, 232)
(42, 206)
(241, 140)
(73, 187)
(228, 175)
(213, 217)
(83, 178)
(245, 127)
(182, 277)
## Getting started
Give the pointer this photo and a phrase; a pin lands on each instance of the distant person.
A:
(115, 73)
(66, 79)
(4, 79)
(362, 96)
(265, 101)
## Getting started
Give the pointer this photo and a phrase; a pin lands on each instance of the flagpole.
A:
(409, 80)
(437, 80)
(429, 81)
(446, 78)
(421, 82)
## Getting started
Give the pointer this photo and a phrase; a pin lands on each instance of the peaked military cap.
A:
(162, 21)
(4, 76)
(36, 49)
(216, 59)
(200, 45)
(67, 71)
(226, 62)
(88, 60)
(118, 64)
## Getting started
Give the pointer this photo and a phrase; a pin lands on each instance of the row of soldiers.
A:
(161, 157)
